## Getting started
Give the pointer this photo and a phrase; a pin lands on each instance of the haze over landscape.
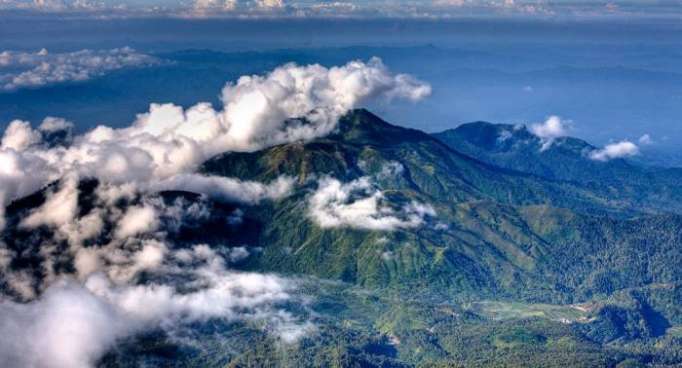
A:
(354, 184)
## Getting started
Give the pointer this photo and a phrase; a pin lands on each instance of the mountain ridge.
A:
(567, 159)
(512, 261)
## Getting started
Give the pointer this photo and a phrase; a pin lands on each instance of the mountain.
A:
(495, 229)
(493, 255)
(652, 189)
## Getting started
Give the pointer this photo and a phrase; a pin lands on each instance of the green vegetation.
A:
(532, 260)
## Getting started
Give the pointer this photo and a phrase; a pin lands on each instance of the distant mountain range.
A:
(496, 252)
(568, 159)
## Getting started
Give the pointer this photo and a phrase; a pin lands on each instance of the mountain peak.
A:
(515, 147)
(360, 126)
(493, 136)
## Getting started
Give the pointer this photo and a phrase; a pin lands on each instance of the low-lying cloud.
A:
(32, 70)
(56, 316)
(289, 104)
(615, 150)
(359, 204)
(73, 324)
(550, 130)
(228, 189)
(74, 315)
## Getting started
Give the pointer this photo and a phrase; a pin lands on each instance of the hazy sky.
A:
(614, 78)
(353, 8)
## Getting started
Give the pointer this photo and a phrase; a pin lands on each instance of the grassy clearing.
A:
(498, 310)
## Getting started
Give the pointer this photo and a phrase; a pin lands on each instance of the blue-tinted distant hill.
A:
(567, 159)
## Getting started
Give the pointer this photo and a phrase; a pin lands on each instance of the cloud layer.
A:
(289, 104)
(72, 324)
(56, 316)
(76, 314)
(615, 150)
(31, 70)
(438, 9)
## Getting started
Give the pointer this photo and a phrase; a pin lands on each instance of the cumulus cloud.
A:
(550, 130)
(358, 204)
(80, 314)
(289, 104)
(52, 125)
(137, 220)
(269, 4)
(258, 106)
(615, 150)
(31, 70)
(59, 208)
(127, 235)
(129, 224)
(72, 324)
(19, 135)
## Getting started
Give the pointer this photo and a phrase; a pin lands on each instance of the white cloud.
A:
(550, 130)
(31, 70)
(269, 4)
(150, 256)
(615, 150)
(238, 254)
(137, 220)
(455, 3)
(228, 189)
(19, 135)
(206, 8)
(59, 208)
(161, 150)
(258, 106)
(391, 169)
(645, 140)
(72, 324)
(206, 5)
(21, 173)
(79, 316)
(67, 327)
(52, 124)
(55, 5)
(168, 142)
(358, 204)
(333, 8)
